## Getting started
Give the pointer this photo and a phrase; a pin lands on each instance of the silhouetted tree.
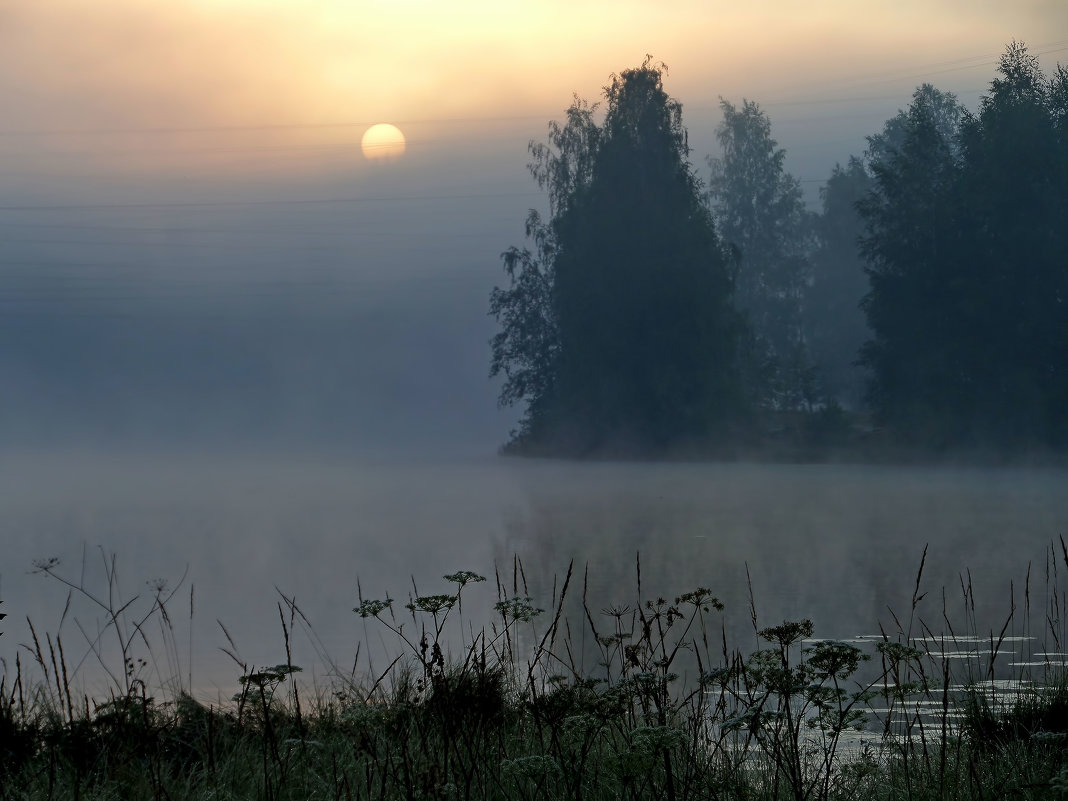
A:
(618, 331)
(966, 239)
(1014, 221)
(835, 326)
(526, 350)
(760, 212)
(942, 109)
(912, 259)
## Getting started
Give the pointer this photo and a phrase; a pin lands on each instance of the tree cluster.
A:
(928, 292)
(618, 330)
(966, 242)
(760, 212)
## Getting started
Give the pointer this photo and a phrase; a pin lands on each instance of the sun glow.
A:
(383, 142)
(278, 85)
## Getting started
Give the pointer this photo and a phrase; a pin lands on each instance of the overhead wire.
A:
(906, 73)
(180, 204)
(148, 277)
(909, 73)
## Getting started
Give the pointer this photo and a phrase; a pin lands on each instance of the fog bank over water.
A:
(838, 544)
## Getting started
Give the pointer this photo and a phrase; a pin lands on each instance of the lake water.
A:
(839, 544)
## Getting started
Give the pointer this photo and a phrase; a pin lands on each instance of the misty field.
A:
(834, 541)
(240, 572)
(553, 698)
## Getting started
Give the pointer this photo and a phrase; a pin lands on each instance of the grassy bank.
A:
(670, 709)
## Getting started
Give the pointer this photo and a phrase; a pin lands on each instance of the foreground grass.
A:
(505, 722)
(567, 745)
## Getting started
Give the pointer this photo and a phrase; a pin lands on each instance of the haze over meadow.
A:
(197, 257)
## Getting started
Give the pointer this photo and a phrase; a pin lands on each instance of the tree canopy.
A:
(966, 242)
(618, 331)
(761, 214)
(633, 325)
(835, 326)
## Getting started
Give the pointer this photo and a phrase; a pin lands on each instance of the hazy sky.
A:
(191, 240)
(194, 251)
(122, 68)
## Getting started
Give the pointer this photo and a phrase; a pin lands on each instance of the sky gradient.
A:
(316, 72)
(191, 240)
(199, 268)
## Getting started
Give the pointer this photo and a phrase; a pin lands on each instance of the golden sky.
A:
(75, 65)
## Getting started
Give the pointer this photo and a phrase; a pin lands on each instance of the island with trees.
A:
(923, 306)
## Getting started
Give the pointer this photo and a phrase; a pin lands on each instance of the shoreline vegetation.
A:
(555, 699)
(824, 436)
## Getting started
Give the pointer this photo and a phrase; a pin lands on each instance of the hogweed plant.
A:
(796, 700)
(429, 614)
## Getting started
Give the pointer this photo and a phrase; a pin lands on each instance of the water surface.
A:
(840, 544)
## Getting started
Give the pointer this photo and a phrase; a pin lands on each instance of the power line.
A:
(285, 126)
(275, 202)
(910, 73)
(945, 66)
(904, 73)
(293, 150)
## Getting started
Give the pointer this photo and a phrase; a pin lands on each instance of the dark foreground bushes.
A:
(655, 705)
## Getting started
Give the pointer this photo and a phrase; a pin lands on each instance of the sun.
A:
(382, 142)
